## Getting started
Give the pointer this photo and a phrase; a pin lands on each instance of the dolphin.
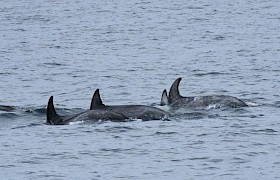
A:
(174, 99)
(94, 115)
(131, 111)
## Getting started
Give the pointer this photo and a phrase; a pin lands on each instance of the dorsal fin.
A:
(52, 117)
(96, 102)
(174, 91)
(164, 98)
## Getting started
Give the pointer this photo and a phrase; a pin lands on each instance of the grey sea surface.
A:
(132, 51)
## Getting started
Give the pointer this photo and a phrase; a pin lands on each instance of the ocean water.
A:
(132, 51)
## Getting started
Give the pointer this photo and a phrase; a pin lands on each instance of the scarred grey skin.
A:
(89, 115)
(131, 111)
(176, 100)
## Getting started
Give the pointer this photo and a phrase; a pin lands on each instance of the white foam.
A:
(213, 106)
(76, 122)
(253, 104)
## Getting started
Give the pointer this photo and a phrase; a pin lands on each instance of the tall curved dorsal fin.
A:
(174, 91)
(52, 117)
(164, 98)
(96, 102)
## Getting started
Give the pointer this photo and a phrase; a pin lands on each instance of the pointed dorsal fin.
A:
(52, 117)
(174, 91)
(164, 98)
(96, 102)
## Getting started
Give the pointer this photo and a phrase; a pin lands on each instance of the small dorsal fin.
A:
(52, 117)
(164, 98)
(174, 91)
(96, 102)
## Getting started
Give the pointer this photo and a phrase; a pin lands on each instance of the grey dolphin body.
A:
(94, 115)
(176, 100)
(132, 111)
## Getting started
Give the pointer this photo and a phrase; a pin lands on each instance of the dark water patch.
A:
(215, 160)
(86, 152)
(267, 131)
(5, 73)
(204, 134)
(198, 19)
(219, 37)
(252, 154)
(210, 168)
(119, 137)
(195, 7)
(210, 73)
(9, 115)
(6, 108)
(116, 150)
(30, 162)
(55, 155)
(33, 111)
(13, 112)
(55, 47)
(126, 177)
(42, 111)
(213, 116)
(51, 176)
(196, 143)
(232, 134)
(259, 144)
(30, 172)
(228, 174)
(199, 158)
(253, 116)
(277, 104)
(164, 133)
(237, 160)
(8, 166)
(53, 64)
(176, 160)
